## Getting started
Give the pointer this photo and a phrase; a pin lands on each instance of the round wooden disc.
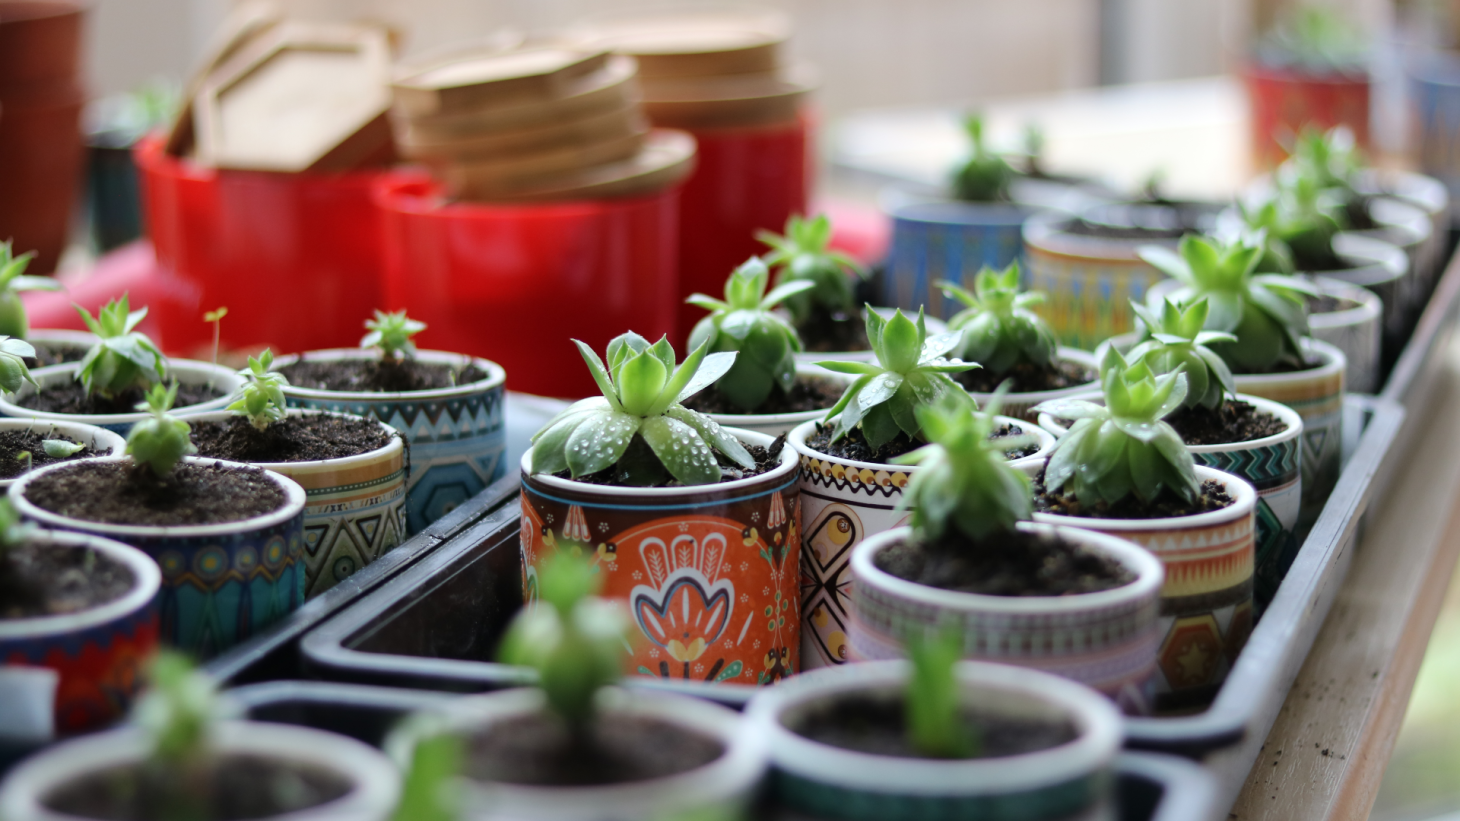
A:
(518, 168)
(616, 123)
(730, 102)
(517, 76)
(692, 44)
(666, 157)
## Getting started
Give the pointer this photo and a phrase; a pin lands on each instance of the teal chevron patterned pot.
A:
(456, 436)
(1069, 782)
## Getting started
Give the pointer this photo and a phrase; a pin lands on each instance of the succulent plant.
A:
(804, 253)
(14, 532)
(642, 390)
(123, 357)
(1268, 313)
(13, 280)
(391, 333)
(1176, 340)
(744, 323)
(999, 330)
(1122, 447)
(13, 370)
(428, 791)
(1329, 158)
(1303, 217)
(261, 398)
(984, 176)
(180, 709)
(932, 707)
(160, 440)
(1314, 37)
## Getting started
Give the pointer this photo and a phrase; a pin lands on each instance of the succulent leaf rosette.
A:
(391, 333)
(13, 281)
(13, 370)
(804, 253)
(123, 357)
(984, 176)
(261, 399)
(744, 323)
(1328, 158)
(1301, 219)
(1178, 341)
(999, 329)
(642, 390)
(160, 440)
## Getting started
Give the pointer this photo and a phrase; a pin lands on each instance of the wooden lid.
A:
(518, 76)
(665, 158)
(519, 169)
(693, 43)
(245, 22)
(729, 101)
(616, 123)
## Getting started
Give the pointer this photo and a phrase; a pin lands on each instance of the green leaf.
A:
(61, 448)
(681, 450)
(599, 441)
(600, 376)
(711, 432)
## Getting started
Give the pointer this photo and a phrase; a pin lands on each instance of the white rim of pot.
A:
(374, 781)
(1420, 190)
(1244, 499)
(797, 440)
(496, 376)
(1044, 232)
(294, 500)
(947, 211)
(388, 450)
(1079, 357)
(757, 420)
(1150, 575)
(61, 337)
(788, 465)
(146, 581)
(1374, 261)
(98, 438)
(1292, 424)
(186, 371)
(1095, 717)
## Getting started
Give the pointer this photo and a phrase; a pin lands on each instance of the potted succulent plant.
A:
(576, 748)
(182, 757)
(228, 537)
(353, 470)
(53, 347)
(938, 738)
(80, 610)
(1075, 603)
(1012, 343)
(104, 388)
(25, 444)
(447, 406)
(693, 526)
(1122, 470)
(849, 484)
(827, 317)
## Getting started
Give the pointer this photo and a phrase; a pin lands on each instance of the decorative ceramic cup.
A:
(708, 572)
(775, 424)
(456, 436)
(356, 508)
(1070, 782)
(1206, 602)
(1106, 640)
(947, 239)
(1430, 195)
(221, 583)
(730, 781)
(101, 440)
(374, 782)
(96, 654)
(1018, 405)
(844, 502)
(184, 371)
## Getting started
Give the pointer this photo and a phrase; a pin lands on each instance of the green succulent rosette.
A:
(804, 253)
(123, 357)
(1176, 340)
(999, 329)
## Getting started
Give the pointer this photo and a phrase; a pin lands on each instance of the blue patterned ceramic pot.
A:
(1435, 89)
(221, 583)
(101, 440)
(1106, 640)
(184, 371)
(947, 239)
(456, 436)
(1069, 782)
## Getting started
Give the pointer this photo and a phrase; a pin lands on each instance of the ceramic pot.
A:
(1407, 227)
(933, 324)
(1106, 640)
(1286, 100)
(1068, 782)
(1018, 405)
(947, 239)
(95, 655)
(184, 371)
(1430, 196)
(355, 510)
(221, 583)
(1206, 601)
(775, 424)
(374, 783)
(101, 440)
(456, 436)
(729, 781)
(708, 573)
(844, 502)
(56, 342)
(1435, 90)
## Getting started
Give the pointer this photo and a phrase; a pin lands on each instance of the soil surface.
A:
(1027, 377)
(58, 355)
(124, 494)
(639, 467)
(618, 749)
(13, 442)
(1008, 564)
(291, 439)
(234, 788)
(1232, 422)
(875, 725)
(378, 376)
(1356, 211)
(42, 579)
(70, 397)
(825, 332)
(854, 445)
(1213, 497)
(808, 393)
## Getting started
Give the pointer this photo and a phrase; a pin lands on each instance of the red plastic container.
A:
(296, 258)
(745, 179)
(1284, 100)
(515, 283)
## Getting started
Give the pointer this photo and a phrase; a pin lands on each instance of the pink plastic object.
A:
(294, 257)
(514, 283)
(132, 270)
(863, 232)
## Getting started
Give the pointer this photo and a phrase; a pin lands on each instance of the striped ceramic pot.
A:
(1020, 405)
(843, 502)
(1435, 88)
(1431, 196)
(1206, 601)
(947, 239)
(1107, 640)
(457, 436)
(185, 371)
(1069, 782)
(775, 424)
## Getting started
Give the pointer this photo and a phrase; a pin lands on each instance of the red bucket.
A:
(514, 283)
(1283, 101)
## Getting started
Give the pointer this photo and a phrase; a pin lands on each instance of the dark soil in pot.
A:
(1228, 424)
(13, 442)
(70, 397)
(57, 355)
(875, 724)
(231, 788)
(40, 579)
(618, 749)
(378, 376)
(1006, 564)
(854, 445)
(125, 494)
(826, 332)
(809, 393)
(1028, 377)
(306, 438)
(640, 468)
(1213, 496)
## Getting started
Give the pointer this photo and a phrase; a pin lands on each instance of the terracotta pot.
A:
(947, 239)
(185, 371)
(1284, 101)
(41, 158)
(1018, 405)
(40, 42)
(101, 440)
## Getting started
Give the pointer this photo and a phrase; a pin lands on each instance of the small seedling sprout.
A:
(61, 448)
(215, 317)
(13, 281)
(391, 333)
(26, 459)
(179, 713)
(984, 176)
(13, 370)
(123, 357)
(932, 708)
(261, 399)
(160, 440)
